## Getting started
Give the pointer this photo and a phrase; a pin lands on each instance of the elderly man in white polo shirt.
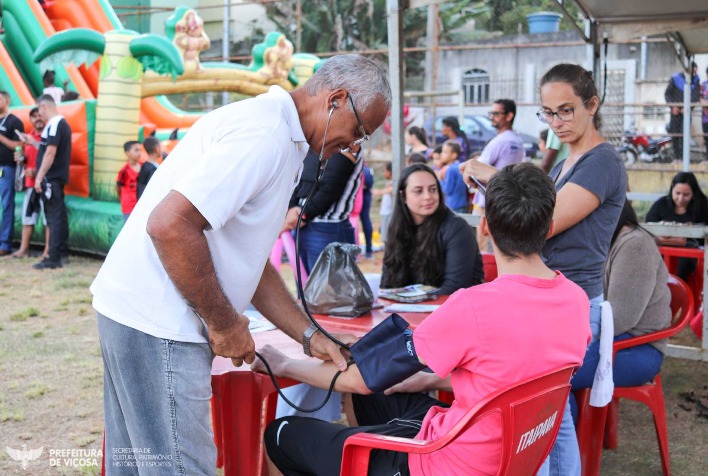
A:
(195, 252)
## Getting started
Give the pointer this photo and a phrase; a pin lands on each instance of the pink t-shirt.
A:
(495, 334)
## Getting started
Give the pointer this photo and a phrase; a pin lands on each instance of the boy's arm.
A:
(313, 372)
(421, 382)
(310, 371)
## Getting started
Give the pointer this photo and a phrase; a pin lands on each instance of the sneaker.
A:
(47, 264)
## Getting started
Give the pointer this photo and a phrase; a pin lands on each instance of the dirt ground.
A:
(51, 382)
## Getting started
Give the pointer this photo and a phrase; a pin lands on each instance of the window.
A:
(475, 84)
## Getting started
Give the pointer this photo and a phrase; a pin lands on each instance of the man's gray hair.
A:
(363, 79)
(6, 95)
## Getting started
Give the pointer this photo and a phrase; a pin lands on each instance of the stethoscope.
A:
(298, 281)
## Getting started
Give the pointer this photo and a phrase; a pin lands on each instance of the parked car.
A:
(479, 131)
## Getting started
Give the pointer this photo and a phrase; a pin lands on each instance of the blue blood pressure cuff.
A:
(386, 355)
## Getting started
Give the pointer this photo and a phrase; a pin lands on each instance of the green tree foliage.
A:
(356, 25)
(505, 16)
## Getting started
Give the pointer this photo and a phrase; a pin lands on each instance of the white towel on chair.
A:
(603, 386)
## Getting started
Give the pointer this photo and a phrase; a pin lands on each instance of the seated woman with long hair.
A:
(685, 203)
(636, 287)
(428, 243)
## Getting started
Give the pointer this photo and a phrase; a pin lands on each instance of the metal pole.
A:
(429, 42)
(687, 122)
(436, 57)
(298, 26)
(395, 70)
(226, 44)
(643, 62)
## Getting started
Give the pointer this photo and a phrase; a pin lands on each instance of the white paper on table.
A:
(402, 307)
(257, 322)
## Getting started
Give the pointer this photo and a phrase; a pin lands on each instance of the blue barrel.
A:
(544, 22)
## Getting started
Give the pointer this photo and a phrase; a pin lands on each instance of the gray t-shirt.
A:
(580, 252)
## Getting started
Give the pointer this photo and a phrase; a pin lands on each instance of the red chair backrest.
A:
(531, 413)
(681, 303)
(489, 264)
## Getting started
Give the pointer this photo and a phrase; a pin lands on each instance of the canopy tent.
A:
(685, 20)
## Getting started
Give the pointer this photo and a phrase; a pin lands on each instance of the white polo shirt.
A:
(238, 166)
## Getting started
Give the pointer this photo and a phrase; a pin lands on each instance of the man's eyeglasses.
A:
(495, 113)
(364, 136)
(565, 114)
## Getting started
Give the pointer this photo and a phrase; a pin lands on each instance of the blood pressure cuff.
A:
(386, 355)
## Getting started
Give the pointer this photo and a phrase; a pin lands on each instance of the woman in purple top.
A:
(451, 129)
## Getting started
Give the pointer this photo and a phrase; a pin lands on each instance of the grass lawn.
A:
(51, 380)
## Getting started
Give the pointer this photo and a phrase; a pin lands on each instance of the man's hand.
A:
(234, 342)
(275, 359)
(420, 382)
(291, 219)
(324, 349)
(38, 186)
(479, 170)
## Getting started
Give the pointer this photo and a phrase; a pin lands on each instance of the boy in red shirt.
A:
(528, 321)
(29, 220)
(127, 181)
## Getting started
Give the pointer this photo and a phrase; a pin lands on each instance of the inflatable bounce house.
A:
(121, 78)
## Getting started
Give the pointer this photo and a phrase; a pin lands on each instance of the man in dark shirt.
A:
(153, 148)
(674, 94)
(53, 160)
(10, 125)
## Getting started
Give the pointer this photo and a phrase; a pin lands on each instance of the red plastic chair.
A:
(523, 407)
(594, 423)
(489, 263)
(671, 254)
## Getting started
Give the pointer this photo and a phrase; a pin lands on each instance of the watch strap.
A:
(309, 332)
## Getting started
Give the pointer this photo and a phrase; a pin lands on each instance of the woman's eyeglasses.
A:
(565, 114)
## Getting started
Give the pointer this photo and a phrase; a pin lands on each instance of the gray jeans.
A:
(156, 404)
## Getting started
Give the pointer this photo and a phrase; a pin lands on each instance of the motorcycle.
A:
(640, 147)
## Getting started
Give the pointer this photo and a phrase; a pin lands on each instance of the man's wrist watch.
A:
(309, 332)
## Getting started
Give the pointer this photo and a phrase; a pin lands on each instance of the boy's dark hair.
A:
(128, 145)
(150, 144)
(48, 78)
(544, 135)
(519, 209)
(454, 145)
(388, 166)
(416, 158)
(437, 150)
(33, 111)
(509, 106)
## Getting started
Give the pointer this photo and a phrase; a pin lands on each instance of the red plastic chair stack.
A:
(522, 406)
(594, 423)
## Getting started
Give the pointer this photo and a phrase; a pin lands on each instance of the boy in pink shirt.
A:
(482, 339)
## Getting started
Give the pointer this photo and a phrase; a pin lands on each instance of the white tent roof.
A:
(686, 20)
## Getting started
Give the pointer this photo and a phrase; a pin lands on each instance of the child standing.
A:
(453, 185)
(386, 209)
(50, 88)
(126, 183)
(153, 148)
